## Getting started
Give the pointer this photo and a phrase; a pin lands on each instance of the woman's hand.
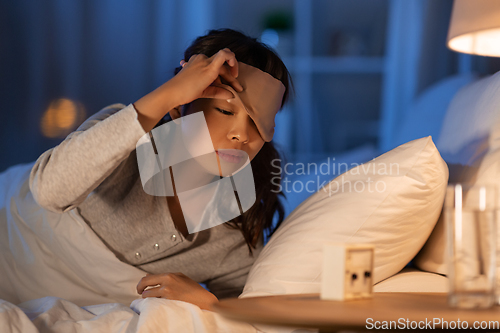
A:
(176, 286)
(192, 82)
(195, 79)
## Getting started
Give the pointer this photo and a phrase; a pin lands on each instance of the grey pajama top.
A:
(94, 170)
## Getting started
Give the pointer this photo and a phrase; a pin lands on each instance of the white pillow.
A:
(469, 144)
(484, 169)
(469, 119)
(396, 214)
(427, 112)
(411, 280)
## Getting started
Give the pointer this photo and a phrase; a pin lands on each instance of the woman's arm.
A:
(64, 176)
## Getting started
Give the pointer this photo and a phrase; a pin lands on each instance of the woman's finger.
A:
(223, 56)
(194, 56)
(226, 75)
(149, 280)
(217, 80)
(153, 292)
(232, 62)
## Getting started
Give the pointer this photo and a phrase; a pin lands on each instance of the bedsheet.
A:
(52, 314)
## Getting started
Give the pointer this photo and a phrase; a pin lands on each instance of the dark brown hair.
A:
(258, 219)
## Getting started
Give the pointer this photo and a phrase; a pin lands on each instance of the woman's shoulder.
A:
(103, 114)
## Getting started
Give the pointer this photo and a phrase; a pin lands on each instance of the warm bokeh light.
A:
(485, 43)
(62, 116)
(475, 27)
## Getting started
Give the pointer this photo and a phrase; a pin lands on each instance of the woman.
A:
(95, 170)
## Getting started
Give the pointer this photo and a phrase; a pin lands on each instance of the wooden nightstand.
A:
(402, 309)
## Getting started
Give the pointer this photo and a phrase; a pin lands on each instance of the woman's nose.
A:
(239, 131)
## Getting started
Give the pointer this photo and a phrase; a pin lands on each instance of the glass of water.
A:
(470, 215)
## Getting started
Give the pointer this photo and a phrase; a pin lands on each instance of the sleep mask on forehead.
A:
(261, 97)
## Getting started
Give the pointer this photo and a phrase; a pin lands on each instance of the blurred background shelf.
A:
(357, 65)
(338, 65)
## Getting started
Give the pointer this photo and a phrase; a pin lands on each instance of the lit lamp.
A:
(475, 27)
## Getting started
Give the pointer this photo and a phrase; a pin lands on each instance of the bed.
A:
(57, 276)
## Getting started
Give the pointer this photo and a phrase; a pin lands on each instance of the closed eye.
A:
(228, 113)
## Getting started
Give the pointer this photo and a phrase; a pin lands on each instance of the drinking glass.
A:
(470, 215)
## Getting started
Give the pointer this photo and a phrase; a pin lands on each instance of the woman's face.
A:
(229, 125)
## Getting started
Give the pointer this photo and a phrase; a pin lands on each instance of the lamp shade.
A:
(475, 27)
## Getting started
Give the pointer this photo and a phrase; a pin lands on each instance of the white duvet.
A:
(56, 275)
(51, 314)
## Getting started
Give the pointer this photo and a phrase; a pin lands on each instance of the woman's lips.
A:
(230, 155)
